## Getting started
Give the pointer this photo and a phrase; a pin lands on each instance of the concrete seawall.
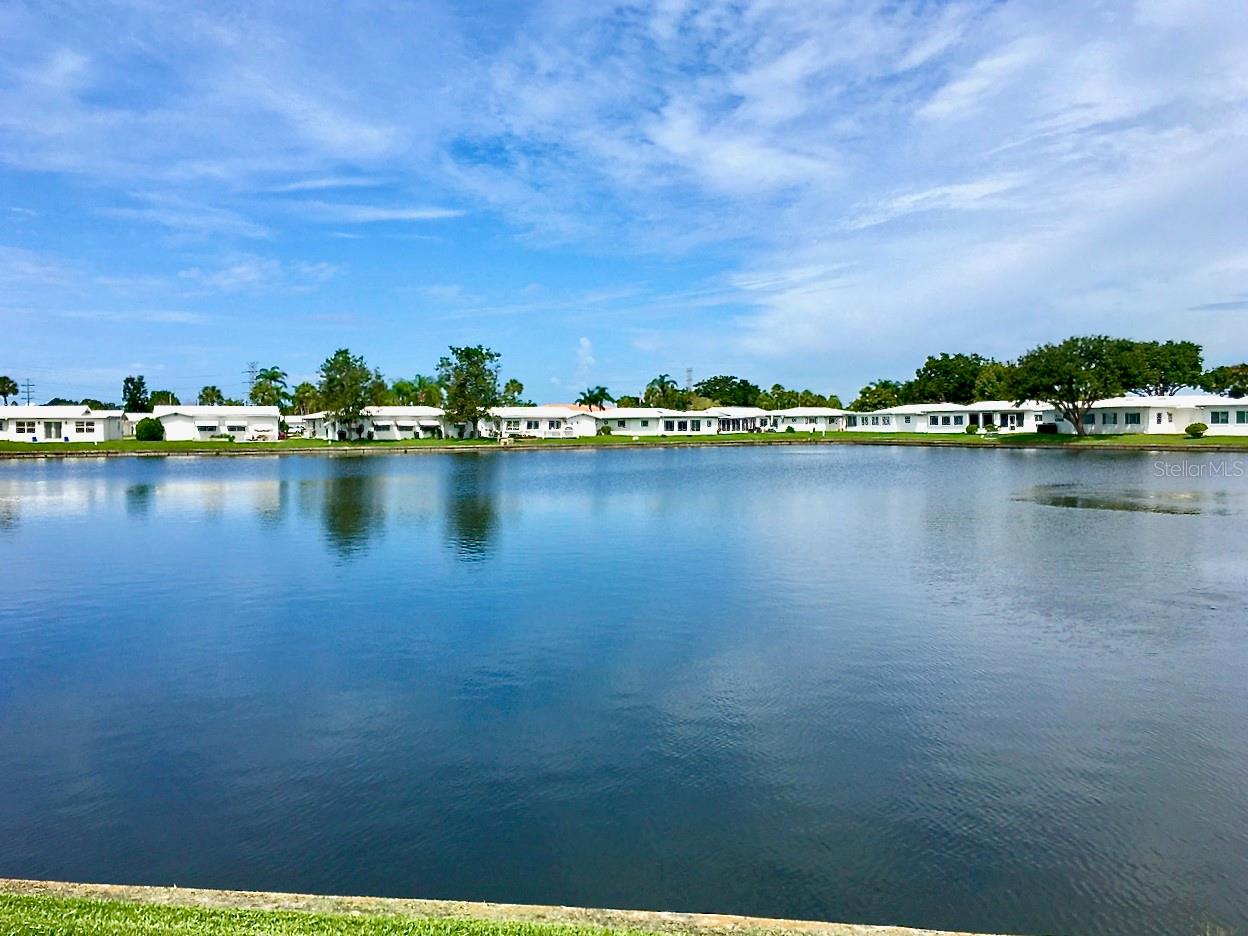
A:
(652, 921)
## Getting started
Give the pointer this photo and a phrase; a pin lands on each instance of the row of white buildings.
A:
(1165, 415)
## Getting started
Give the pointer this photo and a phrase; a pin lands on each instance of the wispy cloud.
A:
(341, 213)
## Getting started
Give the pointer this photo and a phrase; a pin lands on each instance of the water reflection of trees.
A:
(351, 503)
(471, 508)
(139, 498)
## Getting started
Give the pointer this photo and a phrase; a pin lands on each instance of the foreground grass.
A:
(1014, 439)
(43, 916)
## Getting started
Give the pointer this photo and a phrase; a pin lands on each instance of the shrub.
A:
(789, 429)
(1196, 430)
(221, 437)
(989, 427)
(604, 429)
(149, 430)
(971, 429)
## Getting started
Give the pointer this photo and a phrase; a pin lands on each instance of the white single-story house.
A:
(59, 424)
(538, 422)
(738, 418)
(804, 419)
(906, 418)
(656, 421)
(241, 423)
(1164, 415)
(383, 423)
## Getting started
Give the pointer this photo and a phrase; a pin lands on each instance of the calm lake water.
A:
(1000, 691)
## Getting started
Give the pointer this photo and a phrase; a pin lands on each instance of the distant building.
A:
(241, 423)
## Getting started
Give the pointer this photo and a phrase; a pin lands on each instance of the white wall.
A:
(81, 429)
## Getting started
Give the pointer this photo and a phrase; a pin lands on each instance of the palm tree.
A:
(428, 391)
(8, 388)
(595, 397)
(211, 396)
(659, 391)
(269, 387)
(306, 398)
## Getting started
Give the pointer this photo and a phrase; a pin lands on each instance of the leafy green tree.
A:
(949, 378)
(379, 391)
(470, 377)
(269, 387)
(149, 430)
(595, 398)
(993, 382)
(211, 396)
(513, 393)
(134, 395)
(305, 398)
(879, 394)
(345, 387)
(1076, 373)
(164, 398)
(8, 388)
(661, 391)
(1229, 379)
(1168, 366)
(627, 401)
(778, 397)
(93, 403)
(728, 391)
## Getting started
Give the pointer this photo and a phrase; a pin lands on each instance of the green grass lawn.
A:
(21, 915)
(847, 438)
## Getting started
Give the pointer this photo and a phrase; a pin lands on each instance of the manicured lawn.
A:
(21, 915)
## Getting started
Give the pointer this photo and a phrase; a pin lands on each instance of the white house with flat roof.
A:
(803, 419)
(538, 422)
(59, 424)
(381, 423)
(1162, 415)
(656, 421)
(738, 418)
(241, 423)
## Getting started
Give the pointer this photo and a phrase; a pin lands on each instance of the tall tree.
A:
(728, 391)
(470, 378)
(627, 401)
(379, 391)
(8, 388)
(211, 396)
(305, 399)
(947, 378)
(1076, 373)
(993, 382)
(163, 398)
(879, 394)
(269, 387)
(513, 393)
(429, 392)
(595, 397)
(1230, 379)
(1168, 366)
(661, 391)
(345, 386)
(134, 395)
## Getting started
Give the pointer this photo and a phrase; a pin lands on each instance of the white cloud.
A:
(341, 213)
(584, 355)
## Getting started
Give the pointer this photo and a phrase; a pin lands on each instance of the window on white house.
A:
(24, 426)
(3, 425)
(1109, 419)
(1241, 418)
(888, 420)
(553, 423)
(619, 424)
(532, 424)
(944, 420)
(957, 420)
(933, 420)
(381, 427)
(1039, 418)
(1159, 419)
(645, 424)
(235, 428)
(1132, 419)
(83, 426)
(207, 427)
(51, 430)
(852, 421)
(513, 424)
(875, 420)
(1219, 417)
(406, 427)
(696, 425)
(668, 425)
(907, 419)
(1089, 419)
(682, 425)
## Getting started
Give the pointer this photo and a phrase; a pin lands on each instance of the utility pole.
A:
(253, 368)
(688, 379)
(28, 390)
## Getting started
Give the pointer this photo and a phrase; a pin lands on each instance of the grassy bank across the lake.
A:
(47, 907)
(122, 447)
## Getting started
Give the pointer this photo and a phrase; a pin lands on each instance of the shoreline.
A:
(670, 923)
(265, 450)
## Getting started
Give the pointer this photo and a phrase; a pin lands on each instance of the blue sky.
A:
(804, 191)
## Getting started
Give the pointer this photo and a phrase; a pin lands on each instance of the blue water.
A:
(987, 690)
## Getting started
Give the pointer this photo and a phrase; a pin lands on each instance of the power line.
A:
(28, 390)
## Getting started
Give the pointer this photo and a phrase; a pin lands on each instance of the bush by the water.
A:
(971, 429)
(149, 430)
(604, 429)
(1196, 430)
